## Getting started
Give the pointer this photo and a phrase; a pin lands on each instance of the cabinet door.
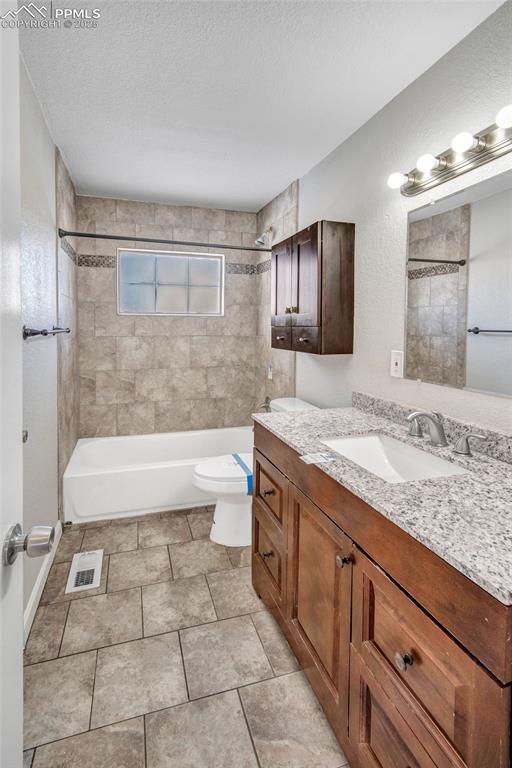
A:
(306, 277)
(379, 735)
(318, 604)
(281, 281)
(449, 703)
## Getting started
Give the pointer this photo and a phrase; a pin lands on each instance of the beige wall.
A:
(38, 294)
(455, 94)
(156, 374)
(281, 215)
(435, 346)
(67, 316)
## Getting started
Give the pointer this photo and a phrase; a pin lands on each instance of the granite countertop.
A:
(465, 519)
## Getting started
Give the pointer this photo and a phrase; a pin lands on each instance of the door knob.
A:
(36, 543)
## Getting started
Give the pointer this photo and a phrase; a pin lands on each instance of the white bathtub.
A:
(110, 477)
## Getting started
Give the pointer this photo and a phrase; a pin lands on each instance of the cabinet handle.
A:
(343, 560)
(295, 309)
(280, 338)
(403, 660)
(288, 310)
(303, 340)
(265, 555)
(268, 493)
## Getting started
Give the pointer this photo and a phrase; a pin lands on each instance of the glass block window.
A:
(169, 283)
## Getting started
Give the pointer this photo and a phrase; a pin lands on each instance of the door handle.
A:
(36, 543)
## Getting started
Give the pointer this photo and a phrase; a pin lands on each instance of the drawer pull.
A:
(280, 338)
(265, 555)
(403, 660)
(303, 340)
(268, 493)
(343, 560)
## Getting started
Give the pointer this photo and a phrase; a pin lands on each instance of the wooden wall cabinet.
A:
(312, 299)
(397, 688)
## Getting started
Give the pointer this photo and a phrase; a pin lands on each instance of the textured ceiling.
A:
(224, 103)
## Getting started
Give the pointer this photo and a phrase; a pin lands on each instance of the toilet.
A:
(228, 478)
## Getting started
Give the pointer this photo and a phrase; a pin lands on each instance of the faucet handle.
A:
(461, 445)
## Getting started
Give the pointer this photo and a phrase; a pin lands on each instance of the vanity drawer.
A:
(379, 735)
(281, 338)
(451, 703)
(306, 340)
(268, 556)
(270, 488)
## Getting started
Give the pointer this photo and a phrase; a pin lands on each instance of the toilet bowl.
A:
(229, 479)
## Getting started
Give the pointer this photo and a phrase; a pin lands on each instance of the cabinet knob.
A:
(303, 340)
(266, 555)
(403, 660)
(268, 493)
(294, 309)
(343, 560)
(288, 310)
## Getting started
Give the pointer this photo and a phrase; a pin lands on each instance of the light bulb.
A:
(504, 117)
(396, 180)
(464, 142)
(427, 163)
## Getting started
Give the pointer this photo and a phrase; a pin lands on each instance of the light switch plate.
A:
(397, 363)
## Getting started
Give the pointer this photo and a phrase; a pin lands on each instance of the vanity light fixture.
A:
(396, 180)
(466, 142)
(428, 163)
(467, 152)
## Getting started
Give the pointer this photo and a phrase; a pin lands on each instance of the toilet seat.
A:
(222, 474)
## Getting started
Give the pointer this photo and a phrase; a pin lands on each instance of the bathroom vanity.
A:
(395, 597)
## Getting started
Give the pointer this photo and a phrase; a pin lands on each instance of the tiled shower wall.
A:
(157, 374)
(67, 317)
(281, 214)
(436, 298)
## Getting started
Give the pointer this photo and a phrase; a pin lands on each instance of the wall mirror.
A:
(459, 289)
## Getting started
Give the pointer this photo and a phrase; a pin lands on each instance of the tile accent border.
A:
(90, 260)
(497, 445)
(69, 250)
(86, 260)
(263, 266)
(435, 269)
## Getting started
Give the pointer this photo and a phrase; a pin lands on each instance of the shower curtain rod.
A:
(460, 262)
(66, 233)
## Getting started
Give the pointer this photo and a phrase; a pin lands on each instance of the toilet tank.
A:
(291, 404)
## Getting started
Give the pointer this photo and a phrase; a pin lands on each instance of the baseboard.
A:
(33, 601)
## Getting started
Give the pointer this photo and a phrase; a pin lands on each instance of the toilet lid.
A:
(224, 468)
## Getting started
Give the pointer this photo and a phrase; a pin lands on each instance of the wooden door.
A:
(281, 281)
(306, 277)
(318, 604)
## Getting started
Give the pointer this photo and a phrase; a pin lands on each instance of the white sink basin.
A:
(394, 461)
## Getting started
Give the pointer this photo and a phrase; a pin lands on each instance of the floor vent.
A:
(85, 571)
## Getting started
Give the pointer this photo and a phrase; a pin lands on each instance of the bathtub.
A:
(109, 477)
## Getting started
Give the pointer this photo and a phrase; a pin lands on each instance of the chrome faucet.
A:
(265, 405)
(434, 423)
(461, 445)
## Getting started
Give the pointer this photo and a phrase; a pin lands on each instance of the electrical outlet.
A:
(397, 363)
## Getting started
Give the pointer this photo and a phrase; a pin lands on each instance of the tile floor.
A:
(172, 662)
